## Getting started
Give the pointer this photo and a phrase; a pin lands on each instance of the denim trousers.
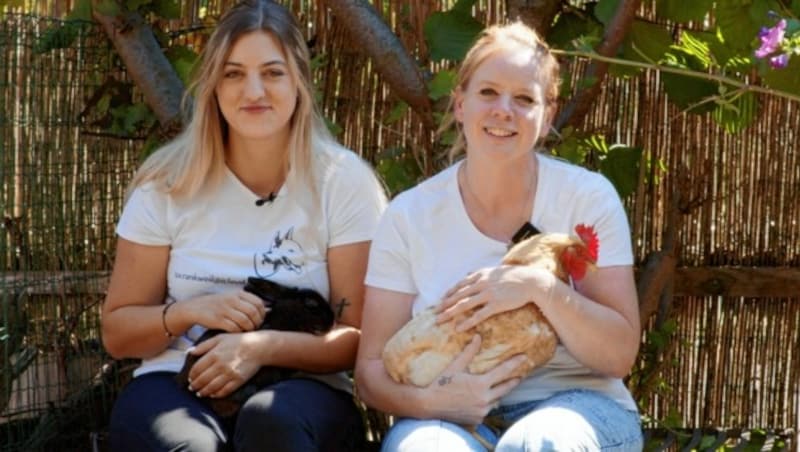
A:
(572, 420)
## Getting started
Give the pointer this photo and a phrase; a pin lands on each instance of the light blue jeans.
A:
(574, 420)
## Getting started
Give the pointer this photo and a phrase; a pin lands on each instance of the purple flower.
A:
(771, 39)
(779, 61)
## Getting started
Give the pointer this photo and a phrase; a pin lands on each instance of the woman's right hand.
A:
(233, 312)
(464, 398)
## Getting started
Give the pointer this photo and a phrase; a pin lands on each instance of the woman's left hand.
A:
(228, 360)
(490, 291)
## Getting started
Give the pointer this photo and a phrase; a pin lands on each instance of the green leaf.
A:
(735, 115)
(464, 6)
(450, 34)
(129, 119)
(133, 5)
(152, 143)
(670, 326)
(107, 7)
(621, 167)
(572, 149)
(708, 48)
(657, 339)
(695, 52)
(597, 143)
(674, 419)
(689, 93)
(645, 42)
(605, 10)
(739, 21)
(103, 104)
(734, 23)
(333, 128)
(58, 36)
(398, 169)
(319, 61)
(649, 42)
(586, 43)
(182, 59)
(442, 84)
(81, 11)
(692, 45)
(137, 114)
(570, 27)
(786, 79)
(792, 26)
(706, 442)
(168, 9)
(397, 113)
(682, 10)
(448, 137)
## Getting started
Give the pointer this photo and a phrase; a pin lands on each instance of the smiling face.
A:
(257, 94)
(502, 107)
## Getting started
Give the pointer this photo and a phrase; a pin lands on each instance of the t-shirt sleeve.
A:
(357, 203)
(144, 217)
(611, 224)
(389, 264)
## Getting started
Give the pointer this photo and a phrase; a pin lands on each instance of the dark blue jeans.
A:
(153, 414)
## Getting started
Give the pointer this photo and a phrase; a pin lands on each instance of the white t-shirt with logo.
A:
(219, 239)
(426, 243)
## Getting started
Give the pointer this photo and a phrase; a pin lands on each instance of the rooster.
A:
(421, 350)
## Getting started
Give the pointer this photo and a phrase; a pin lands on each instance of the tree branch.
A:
(369, 32)
(145, 62)
(577, 108)
(744, 86)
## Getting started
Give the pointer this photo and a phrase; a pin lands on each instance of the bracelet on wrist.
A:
(167, 332)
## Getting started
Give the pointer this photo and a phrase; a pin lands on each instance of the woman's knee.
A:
(299, 414)
(151, 413)
(415, 435)
(577, 420)
(265, 414)
(543, 433)
(174, 430)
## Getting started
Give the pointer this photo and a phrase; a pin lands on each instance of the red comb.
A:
(589, 237)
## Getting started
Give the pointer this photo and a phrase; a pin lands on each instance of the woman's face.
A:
(502, 109)
(257, 95)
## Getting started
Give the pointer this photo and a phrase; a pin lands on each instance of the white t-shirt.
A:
(220, 238)
(426, 243)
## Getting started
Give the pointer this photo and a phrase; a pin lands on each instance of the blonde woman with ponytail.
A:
(441, 244)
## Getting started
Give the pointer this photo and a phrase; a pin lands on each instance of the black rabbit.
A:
(291, 309)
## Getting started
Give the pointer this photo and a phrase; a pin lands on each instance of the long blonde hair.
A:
(195, 159)
(491, 40)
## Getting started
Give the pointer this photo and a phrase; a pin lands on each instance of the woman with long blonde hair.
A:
(253, 187)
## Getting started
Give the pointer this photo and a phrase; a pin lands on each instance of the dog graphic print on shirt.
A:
(284, 254)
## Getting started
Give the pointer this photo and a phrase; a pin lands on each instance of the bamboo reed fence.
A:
(734, 359)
